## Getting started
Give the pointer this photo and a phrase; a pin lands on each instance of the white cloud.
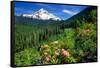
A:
(69, 12)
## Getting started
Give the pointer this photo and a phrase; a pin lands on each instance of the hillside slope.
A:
(88, 15)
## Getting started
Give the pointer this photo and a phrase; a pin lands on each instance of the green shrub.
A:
(27, 57)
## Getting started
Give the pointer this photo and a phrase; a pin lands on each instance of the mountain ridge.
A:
(81, 16)
(41, 14)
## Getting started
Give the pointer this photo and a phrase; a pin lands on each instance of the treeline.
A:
(31, 21)
(27, 36)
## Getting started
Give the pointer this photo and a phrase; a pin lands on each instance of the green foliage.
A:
(69, 38)
(70, 60)
(27, 57)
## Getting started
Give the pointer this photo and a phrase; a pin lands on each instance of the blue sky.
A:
(61, 11)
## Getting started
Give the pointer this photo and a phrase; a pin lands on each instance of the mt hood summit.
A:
(42, 14)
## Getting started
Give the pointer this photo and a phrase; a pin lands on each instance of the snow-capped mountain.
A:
(42, 14)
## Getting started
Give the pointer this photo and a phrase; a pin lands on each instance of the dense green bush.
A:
(28, 56)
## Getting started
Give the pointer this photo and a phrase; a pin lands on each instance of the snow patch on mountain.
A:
(42, 14)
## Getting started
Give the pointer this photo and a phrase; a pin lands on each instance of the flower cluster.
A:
(53, 53)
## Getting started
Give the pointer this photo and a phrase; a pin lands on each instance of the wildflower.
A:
(56, 53)
(45, 53)
(47, 58)
(46, 46)
(65, 53)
